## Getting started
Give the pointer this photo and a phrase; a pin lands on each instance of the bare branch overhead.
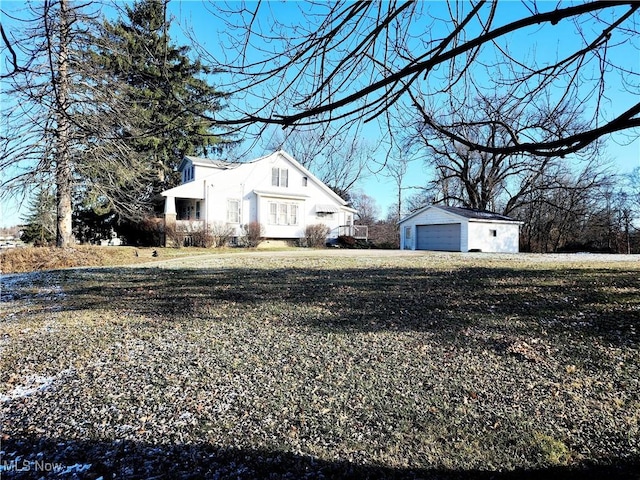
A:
(367, 61)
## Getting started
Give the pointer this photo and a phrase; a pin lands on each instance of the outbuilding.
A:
(457, 229)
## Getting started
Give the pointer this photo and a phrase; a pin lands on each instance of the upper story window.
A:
(305, 181)
(279, 177)
(188, 174)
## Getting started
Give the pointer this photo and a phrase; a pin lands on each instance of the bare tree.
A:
(368, 210)
(563, 210)
(91, 108)
(355, 62)
(489, 179)
(56, 112)
(337, 158)
(43, 86)
(396, 170)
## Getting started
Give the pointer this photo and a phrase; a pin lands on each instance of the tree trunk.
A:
(64, 235)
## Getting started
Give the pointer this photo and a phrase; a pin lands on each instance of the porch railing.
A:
(361, 232)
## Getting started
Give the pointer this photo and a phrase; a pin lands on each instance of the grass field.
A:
(324, 365)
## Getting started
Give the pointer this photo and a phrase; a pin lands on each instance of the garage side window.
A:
(407, 233)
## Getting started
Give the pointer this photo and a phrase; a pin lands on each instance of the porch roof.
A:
(193, 190)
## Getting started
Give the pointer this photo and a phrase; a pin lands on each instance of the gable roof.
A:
(312, 178)
(469, 213)
(206, 162)
(219, 165)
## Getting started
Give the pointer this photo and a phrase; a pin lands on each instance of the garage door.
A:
(444, 237)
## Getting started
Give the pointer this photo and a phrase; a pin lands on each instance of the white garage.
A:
(456, 229)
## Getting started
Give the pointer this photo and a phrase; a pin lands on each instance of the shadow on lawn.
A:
(59, 458)
(597, 302)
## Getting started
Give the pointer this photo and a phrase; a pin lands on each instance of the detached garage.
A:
(456, 229)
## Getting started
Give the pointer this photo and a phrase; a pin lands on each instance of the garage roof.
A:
(476, 214)
(470, 213)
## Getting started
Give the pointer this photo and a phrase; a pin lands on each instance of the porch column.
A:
(169, 217)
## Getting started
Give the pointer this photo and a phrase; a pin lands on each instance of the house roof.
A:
(469, 213)
(206, 162)
(188, 191)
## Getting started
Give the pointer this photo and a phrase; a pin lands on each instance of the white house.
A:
(456, 229)
(274, 190)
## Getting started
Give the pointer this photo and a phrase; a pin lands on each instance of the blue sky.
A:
(622, 149)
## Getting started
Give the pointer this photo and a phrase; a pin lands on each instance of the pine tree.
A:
(59, 110)
(165, 92)
(40, 225)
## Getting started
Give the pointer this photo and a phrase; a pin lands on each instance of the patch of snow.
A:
(77, 468)
(39, 287)
(31, 385)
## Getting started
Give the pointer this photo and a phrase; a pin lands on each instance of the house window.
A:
(279, 177)
(233, 211)
(283, 214)
(283, 209)
(186, 212)
(305, 181)
(493, 233)
(407, 233)
(197, 210)
(187, 175)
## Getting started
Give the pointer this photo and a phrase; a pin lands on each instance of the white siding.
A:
(494, 237)
(252, 183)
(431, 216)
(487, 236)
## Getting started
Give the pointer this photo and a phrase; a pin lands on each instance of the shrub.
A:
(221, 233)
(346, 241)
(149, 232)
(316, 235)
(173, 238)
(202, 238)
(253, 234)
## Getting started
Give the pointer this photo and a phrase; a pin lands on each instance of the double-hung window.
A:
(233, 210)
(283, 214)
(279, 177)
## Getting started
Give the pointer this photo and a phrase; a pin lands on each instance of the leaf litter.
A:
(273, 366)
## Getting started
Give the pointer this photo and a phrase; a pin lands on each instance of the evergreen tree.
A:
(40, 225)
(59, 109)
(164, 91)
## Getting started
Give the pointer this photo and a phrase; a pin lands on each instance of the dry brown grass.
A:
(20, 260)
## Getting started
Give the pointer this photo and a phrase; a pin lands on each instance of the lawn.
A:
(323, 365)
